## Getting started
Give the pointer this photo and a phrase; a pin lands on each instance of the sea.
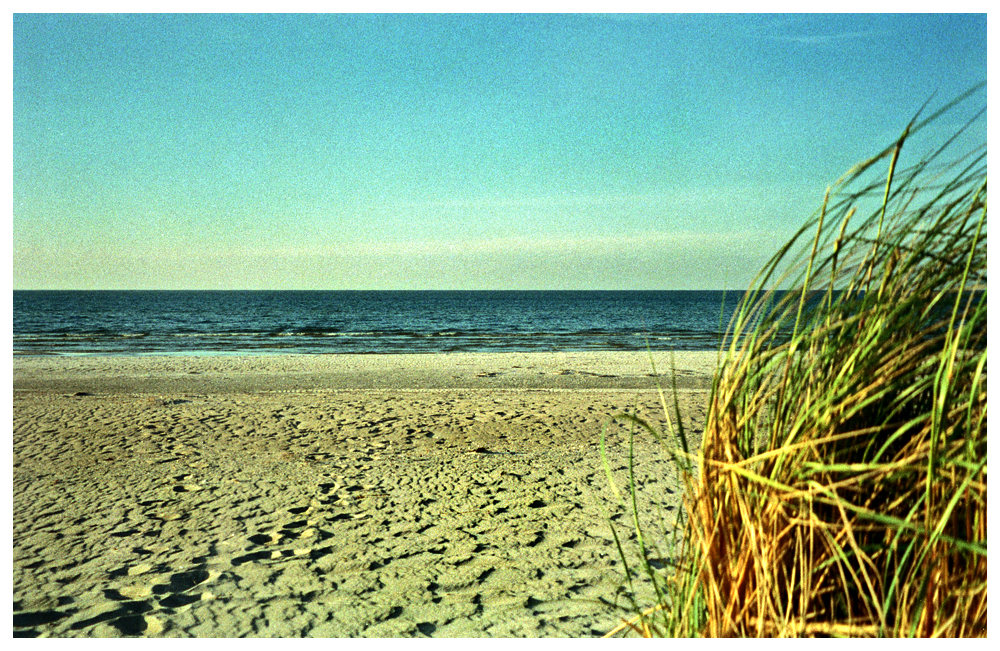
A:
(276, 322)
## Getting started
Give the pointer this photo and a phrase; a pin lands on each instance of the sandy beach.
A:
(433, 495)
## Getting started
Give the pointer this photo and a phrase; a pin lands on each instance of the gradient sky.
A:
(449, 152)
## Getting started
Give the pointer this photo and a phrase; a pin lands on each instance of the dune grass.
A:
(840, 487)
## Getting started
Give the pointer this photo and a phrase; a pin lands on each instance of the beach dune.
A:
(332, 495)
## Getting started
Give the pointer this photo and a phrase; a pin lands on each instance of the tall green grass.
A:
(840, 486)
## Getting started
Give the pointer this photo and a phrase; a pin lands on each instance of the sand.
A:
(333, 495)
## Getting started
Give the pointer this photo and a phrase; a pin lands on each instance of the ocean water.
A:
(241, 322)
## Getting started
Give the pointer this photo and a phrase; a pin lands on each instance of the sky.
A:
(485, 151)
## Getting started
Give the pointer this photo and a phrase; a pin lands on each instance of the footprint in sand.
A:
(296, 534)
(136, 601)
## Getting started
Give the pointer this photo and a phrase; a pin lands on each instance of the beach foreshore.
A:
(334, 495)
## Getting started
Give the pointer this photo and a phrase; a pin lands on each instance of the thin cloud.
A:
(544, 245)
(534, 202)
(673, 198)
(809, 30)
(825, 39)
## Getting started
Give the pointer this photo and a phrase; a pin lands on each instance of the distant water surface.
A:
(234, 322)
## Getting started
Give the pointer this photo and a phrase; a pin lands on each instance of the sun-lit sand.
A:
(330, 495)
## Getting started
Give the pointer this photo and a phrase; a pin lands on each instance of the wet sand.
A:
(332, 495)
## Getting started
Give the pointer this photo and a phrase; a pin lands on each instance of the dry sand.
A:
(331, 495)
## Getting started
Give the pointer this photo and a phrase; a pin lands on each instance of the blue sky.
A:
(449, 152)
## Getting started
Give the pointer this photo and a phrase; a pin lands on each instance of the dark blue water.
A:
(198, 322)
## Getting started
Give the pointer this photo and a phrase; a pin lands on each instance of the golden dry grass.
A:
(840, 489)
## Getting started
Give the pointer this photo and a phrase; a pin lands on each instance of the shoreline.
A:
(455, 495)
(495, 370)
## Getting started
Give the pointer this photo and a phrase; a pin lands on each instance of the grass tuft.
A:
(840, 488)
